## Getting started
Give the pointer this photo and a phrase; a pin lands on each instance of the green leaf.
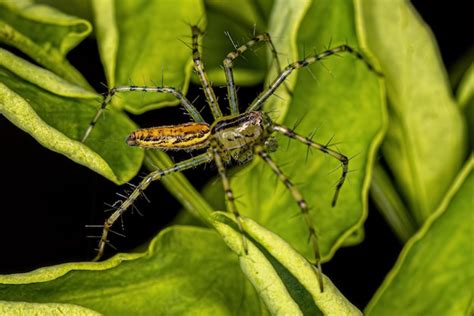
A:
(426, 140)
(286, 281)
(435, 266)
(79, 8)
(143, 40)
(56, 113)
(185, 271)
(345, 101)
(53, 309)
(44, 34)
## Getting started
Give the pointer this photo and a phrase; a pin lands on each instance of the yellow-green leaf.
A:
(44, 34)
(239, 21)
(186, 271)
(56, 113)
(52, 309)
(286, 281)
(434, 273)
(141, 42)
(426, 140)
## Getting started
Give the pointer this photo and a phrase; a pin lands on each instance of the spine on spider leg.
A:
(168, 90)
(334, 51)
(323, 148)
(138, 190)
(262, 97)
(123, 206)
(229, 195)
(361, 57)
(106, 100)
(298, 197)
(199, 67)
(228, 64)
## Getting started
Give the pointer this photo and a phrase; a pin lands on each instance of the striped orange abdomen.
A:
(172, 137)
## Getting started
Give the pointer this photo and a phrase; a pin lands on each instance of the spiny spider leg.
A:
(199, 67)
(229, 193)
(262, 97)
(193, 112)
(229, 63)
(324, 148)
(153, 176)
(259, 150)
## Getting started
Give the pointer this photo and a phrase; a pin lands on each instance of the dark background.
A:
(46, 199)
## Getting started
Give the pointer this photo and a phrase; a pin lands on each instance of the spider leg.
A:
(229, 63)
(262, 97)
(193, 112)
(259, 150)
(199, 68)
(324, 148)
(138, 190)
(229, 193)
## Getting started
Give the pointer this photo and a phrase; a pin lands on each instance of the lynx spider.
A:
(238, 136)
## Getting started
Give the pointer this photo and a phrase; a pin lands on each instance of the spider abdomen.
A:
(174, 137)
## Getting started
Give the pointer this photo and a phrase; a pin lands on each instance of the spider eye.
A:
(131, 140)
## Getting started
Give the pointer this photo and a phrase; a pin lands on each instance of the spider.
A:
(236, 137)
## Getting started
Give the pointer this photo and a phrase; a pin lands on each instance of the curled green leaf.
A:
(44, 34)
(185, 271)
(434, 273)
(285, 280)
(426, 140)
(56, 113)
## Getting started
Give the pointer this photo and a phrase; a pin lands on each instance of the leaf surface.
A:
(186, 271)
(285, 280)
(56, 113)
(44, 34)
(426, 140)
(22, 308)
(147, 43)
(238, 21)
(434, 273)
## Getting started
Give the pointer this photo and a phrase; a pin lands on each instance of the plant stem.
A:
(390, 205)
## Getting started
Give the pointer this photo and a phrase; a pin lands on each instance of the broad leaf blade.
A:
(345, 101)
(141, 42)
(44, 34)
(426, 141)
(186, 271)
(435, 267)
(56, 114)
(285, 280)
